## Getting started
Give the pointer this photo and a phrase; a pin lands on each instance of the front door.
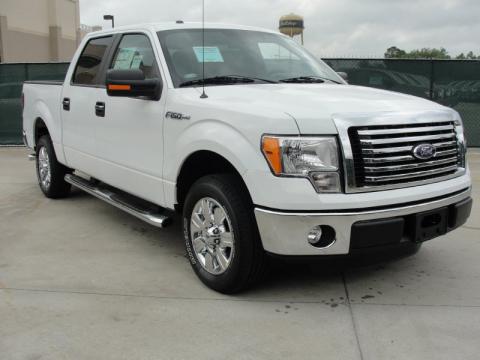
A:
(129, 135)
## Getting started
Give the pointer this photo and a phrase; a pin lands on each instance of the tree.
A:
(426, 53)
(395, 53)
(471, 56)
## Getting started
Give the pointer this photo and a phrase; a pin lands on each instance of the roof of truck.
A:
(174, 25)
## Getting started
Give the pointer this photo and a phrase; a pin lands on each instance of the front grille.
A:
(383, 155)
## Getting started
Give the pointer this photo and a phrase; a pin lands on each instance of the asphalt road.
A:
(80, 279)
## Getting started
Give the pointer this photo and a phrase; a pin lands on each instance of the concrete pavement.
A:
(80, 279)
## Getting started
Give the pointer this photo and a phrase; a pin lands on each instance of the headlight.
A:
(461, 141)
(315, 158)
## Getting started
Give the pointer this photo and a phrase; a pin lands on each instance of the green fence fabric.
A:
(12, 77)
(454, 83)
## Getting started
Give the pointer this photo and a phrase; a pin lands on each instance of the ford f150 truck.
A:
(263, 148)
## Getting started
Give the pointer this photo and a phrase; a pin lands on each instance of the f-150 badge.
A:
(176, 116)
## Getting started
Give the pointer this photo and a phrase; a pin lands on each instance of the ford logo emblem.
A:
(424, 151)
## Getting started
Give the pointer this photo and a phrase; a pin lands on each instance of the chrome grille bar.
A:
(382, 160)
(421, 165)
(386, 178)
(426, 138)
(405, 130)
(390, 150)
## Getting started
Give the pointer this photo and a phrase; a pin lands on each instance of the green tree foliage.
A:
(469, 56)
(395, 53)
(426, 53)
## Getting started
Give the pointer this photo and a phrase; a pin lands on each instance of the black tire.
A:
(249, 261)
(57, 187)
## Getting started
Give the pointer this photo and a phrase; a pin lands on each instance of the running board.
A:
(123, 201)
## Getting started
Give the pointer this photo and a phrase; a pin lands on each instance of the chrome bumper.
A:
(285, 233)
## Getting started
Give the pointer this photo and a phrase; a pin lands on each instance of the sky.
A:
(334, 28)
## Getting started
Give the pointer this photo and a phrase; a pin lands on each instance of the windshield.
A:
(231, 55)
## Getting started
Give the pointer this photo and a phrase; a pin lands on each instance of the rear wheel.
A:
(221, 235)
(50, 173)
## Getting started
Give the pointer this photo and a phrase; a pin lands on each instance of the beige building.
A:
(40, 30)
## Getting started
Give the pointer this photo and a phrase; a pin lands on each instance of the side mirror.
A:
(343, 75)
(132, 83)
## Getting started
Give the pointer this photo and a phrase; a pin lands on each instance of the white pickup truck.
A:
(263, 148)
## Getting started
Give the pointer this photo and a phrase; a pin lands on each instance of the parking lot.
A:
(80, 279)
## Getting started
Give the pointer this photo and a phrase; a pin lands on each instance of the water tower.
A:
(292, 25)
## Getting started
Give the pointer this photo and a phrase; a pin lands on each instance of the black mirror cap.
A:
(132, 83)
(343, 75)
(125, 74)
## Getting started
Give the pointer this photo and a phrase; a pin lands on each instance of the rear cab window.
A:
(90, 62)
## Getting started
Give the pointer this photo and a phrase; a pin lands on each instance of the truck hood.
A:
(313, 105)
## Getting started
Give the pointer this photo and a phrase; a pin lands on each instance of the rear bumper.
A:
(285, 233)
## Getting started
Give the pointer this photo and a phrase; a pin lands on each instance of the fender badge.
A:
(176, 116)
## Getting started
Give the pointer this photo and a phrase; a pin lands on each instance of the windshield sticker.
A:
(212, 54)
(136, 62)
(272, 51)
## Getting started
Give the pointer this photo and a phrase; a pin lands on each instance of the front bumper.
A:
(285, 233)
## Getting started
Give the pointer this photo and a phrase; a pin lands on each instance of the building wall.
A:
(21, 46)
(39, 30)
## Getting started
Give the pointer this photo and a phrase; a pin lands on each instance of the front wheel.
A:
(221, 234)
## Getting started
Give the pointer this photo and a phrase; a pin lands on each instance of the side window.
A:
(89, 62)
(135, 52)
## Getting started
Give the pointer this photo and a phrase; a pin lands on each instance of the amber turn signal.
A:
(272, 151)
(119, 87)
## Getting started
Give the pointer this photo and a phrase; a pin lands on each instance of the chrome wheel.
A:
(212, 236)
(44, 170)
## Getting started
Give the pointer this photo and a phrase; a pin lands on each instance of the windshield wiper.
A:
(225, 80)
(308, 80)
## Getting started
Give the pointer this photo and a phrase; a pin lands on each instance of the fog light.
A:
(321, 236)
(314, 235)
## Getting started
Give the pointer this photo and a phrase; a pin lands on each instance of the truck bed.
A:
(42, 100)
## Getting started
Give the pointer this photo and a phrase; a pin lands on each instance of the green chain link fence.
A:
(12, 77)
(454, 83)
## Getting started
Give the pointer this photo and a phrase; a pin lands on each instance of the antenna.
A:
(204, 95)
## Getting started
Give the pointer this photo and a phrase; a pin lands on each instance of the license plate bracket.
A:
(430, 224)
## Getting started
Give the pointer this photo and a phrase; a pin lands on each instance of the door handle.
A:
(66, 104)
(100, 109)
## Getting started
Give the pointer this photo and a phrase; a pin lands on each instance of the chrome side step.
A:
(122, 201)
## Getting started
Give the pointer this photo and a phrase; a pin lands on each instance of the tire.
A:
(50, 173)
(244, 262)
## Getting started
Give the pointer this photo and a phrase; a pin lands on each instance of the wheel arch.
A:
(45, 123)
(40, 129)
(199, 164)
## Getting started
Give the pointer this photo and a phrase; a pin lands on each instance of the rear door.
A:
(130, 135)
(87, 83)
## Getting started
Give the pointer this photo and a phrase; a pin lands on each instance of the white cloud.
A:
(333, 28)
